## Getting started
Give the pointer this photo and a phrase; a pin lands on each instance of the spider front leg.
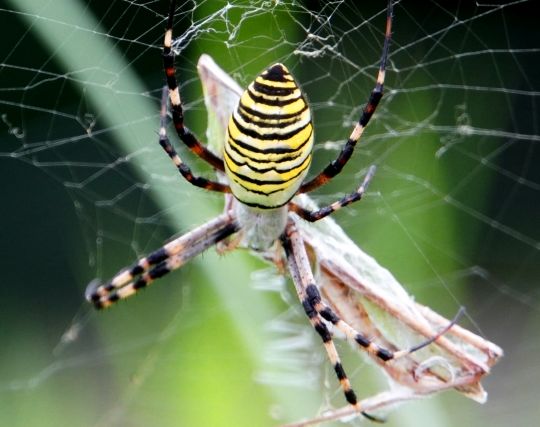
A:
(313, 216)
(184, 169)
(376, 94)
(176, 103)
(170, 257)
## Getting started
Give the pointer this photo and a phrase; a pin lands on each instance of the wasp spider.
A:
(266, 158)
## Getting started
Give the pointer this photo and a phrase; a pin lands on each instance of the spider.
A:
(266, 156)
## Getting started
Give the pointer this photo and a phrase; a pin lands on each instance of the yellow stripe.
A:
(291, 143)
(272, 175)
(275, 97)
(266, 188)
(256, 120)
(284, 162)
(293, 123)
(291, 84)
(292, 108)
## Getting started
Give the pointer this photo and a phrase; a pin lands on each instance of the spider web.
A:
(453, 209)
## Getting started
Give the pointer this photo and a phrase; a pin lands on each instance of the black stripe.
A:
(155, 257)
(384, 354)
(226, 231)
(168, 64)
(313, 294)
(371, 106)
(137, 269)
(323, 331)
(351, 397)
(262, 193)
(272, 102)
(274, 123)
(265, 207)
(262, 170)
(328, 314)
(159, 270)
(340, 372)
(309, 309)
(274, 150)
(277, 116)
(139, 284)
(261, 182)
(272, 90)
(363, 341)
(268, 136)
(285, 157)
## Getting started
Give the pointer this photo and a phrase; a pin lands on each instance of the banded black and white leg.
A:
(318, 214)
(168, 258)
(337, 165)
(182, 167)
(183, 132)
(304, 282)
(317, 310)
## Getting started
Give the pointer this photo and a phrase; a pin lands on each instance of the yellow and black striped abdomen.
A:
(269, 140)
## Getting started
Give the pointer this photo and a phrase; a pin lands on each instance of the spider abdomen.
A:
(269, 141)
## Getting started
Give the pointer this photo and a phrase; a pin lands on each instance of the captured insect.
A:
(262, 164)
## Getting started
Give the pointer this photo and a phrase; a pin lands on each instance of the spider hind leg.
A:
(303, 280)
(162, 261)
(318, 312)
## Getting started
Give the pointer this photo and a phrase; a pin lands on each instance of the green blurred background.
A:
(452, 212)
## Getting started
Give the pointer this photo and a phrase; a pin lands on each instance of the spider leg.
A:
(304, 281)
(317, 310)
(183, 168)
(365, 343)
(161, 262)
(176, 103)
(337, 165)
(313, 216)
